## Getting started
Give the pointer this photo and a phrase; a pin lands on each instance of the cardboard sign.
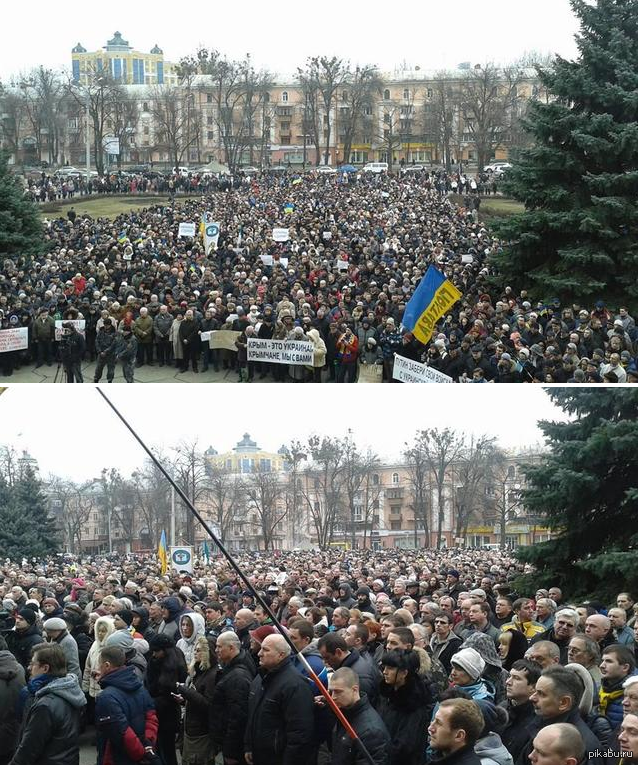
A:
(224, 338)
(408, 371)
(280, 351)
(327, 235)
(266, 260)
(342, 265)
(14, 339)
(186, 229)
(281, 234)
(204, 336)
(370, 373)
(181, 559)
(79, 324)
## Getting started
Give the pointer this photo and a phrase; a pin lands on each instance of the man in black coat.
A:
(280, 727)
(336, 654)
(52, 714)
(454, 730)
(368, 725)
(519, 688)
(24, 638)
(229, 702)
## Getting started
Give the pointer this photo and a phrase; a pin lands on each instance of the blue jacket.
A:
(125, 718)
(313, 657)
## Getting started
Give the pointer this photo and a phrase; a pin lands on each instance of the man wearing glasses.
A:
(444, 643)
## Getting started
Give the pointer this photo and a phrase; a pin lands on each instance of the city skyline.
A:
(273, 416)
(353, 34)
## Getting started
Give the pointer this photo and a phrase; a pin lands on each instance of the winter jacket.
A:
(162, 326)
(90, 684)
(313, 657)
(465, 756)
(610, 698)
(84, 643)
(70, 648)
(319, 354)
(592, 744)
(491, 751)
(52, 725)
(348, 601)
(444, 650)
(125, 347)
(105, 343)
(125, 719)
(370, 730)
(280, 717)
(22, 642)
(162, 677)
(229, 707)
(198, 694)
(11, 682)
(143, 329)
(171, 626)
(369, 675)
(43, 329)
(406, 713)
(516, 736)
(187, 645)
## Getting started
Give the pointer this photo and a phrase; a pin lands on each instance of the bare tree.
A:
(9, 465)
(295, 454)
(332, 74)
(357, 469)
(13, 121)
(264, 493)
(152, 493)
(124, 120)
(362, 85)
(190, 470)
(440, 117)
(505, 493)
(322, 487)
(488, 95)
(389, 135)
(440, 448)
(175, 119)
(224, 494)
(419, 477)
(308, 79)
(474, 463)
(44, 92)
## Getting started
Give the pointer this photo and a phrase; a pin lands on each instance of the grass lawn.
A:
(492, 207)
(107, 206)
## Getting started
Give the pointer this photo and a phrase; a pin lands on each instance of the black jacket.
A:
(592, 744)
(369, 675)
(280, 717)
(516, 736)
(22, 642)
(52, 725)
(11, 681)
(229, 706)
(371, 731)
(465, 756)
(406, 713)
(198, 697)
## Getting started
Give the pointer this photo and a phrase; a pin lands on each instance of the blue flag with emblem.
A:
(432, 299)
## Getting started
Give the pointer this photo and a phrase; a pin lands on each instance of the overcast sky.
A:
(425, 33)
(72, 432)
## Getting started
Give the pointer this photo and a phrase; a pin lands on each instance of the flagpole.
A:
(249, 585)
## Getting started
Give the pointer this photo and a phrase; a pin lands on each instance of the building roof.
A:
(118, 42)
(79, 48)
(245, 446)
(156, 50)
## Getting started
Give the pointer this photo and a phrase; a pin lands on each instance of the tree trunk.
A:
(441, 511)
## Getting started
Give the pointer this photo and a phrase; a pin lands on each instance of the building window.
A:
(344, 95)
(145, 106)
(367, 110)
(76, 71)
(386, 95)
(209, 98)
(73, 123)
(430, 93)
(160, 73)
(211, 135)
(209, 120)
(375, 479)
(406, 94)
(265, 465)
(284, 96)
(395, 525)
(395, 478)
(229, 464)
(511, 471)
(146, 130)
(386, 119)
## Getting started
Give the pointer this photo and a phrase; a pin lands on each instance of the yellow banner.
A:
(444, 298)
(224, 338)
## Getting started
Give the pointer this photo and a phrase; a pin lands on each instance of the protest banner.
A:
(266, 260)
(204, 336)
(342, 265)
(370, 373)
(14, 339)
(224, 338)
(79, 324)
(186, 229)
(281, 234)
(182, 559)
(211, 235)
(408, 371)
(280, 351)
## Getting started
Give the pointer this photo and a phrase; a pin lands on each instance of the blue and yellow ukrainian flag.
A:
(433, 298)
(162, 553)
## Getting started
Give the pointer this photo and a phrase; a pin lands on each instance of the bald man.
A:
(280, 728)
(598, 628)
(558, 744)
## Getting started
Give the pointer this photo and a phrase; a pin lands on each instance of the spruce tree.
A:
(578, 236)
(21, 231)
(26, 528)
(586, 490)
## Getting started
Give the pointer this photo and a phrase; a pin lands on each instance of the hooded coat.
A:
(170, 626)
(187, 645)
(319, 354)
(347, 601)
(492, 751)
(89, 683)
(22, 642)
(52, 725)
(11, 682)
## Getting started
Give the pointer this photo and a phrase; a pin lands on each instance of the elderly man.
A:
(564, 629)
(622, 633)
(280, 726)
(558, 744)
(545, 653)
(56, 632)
(545, 610)
(598, 628)
(585, 651)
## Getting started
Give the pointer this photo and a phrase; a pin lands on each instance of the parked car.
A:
(325, 170)
(249, 170)
(412, 169)
(376, 167)
(498, 168)
(181, 171)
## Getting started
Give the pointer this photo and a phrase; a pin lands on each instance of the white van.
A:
(376, 167)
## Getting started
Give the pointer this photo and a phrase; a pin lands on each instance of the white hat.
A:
(470, 661)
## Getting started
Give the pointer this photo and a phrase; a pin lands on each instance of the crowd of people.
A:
(358, 246)
(431, 656)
